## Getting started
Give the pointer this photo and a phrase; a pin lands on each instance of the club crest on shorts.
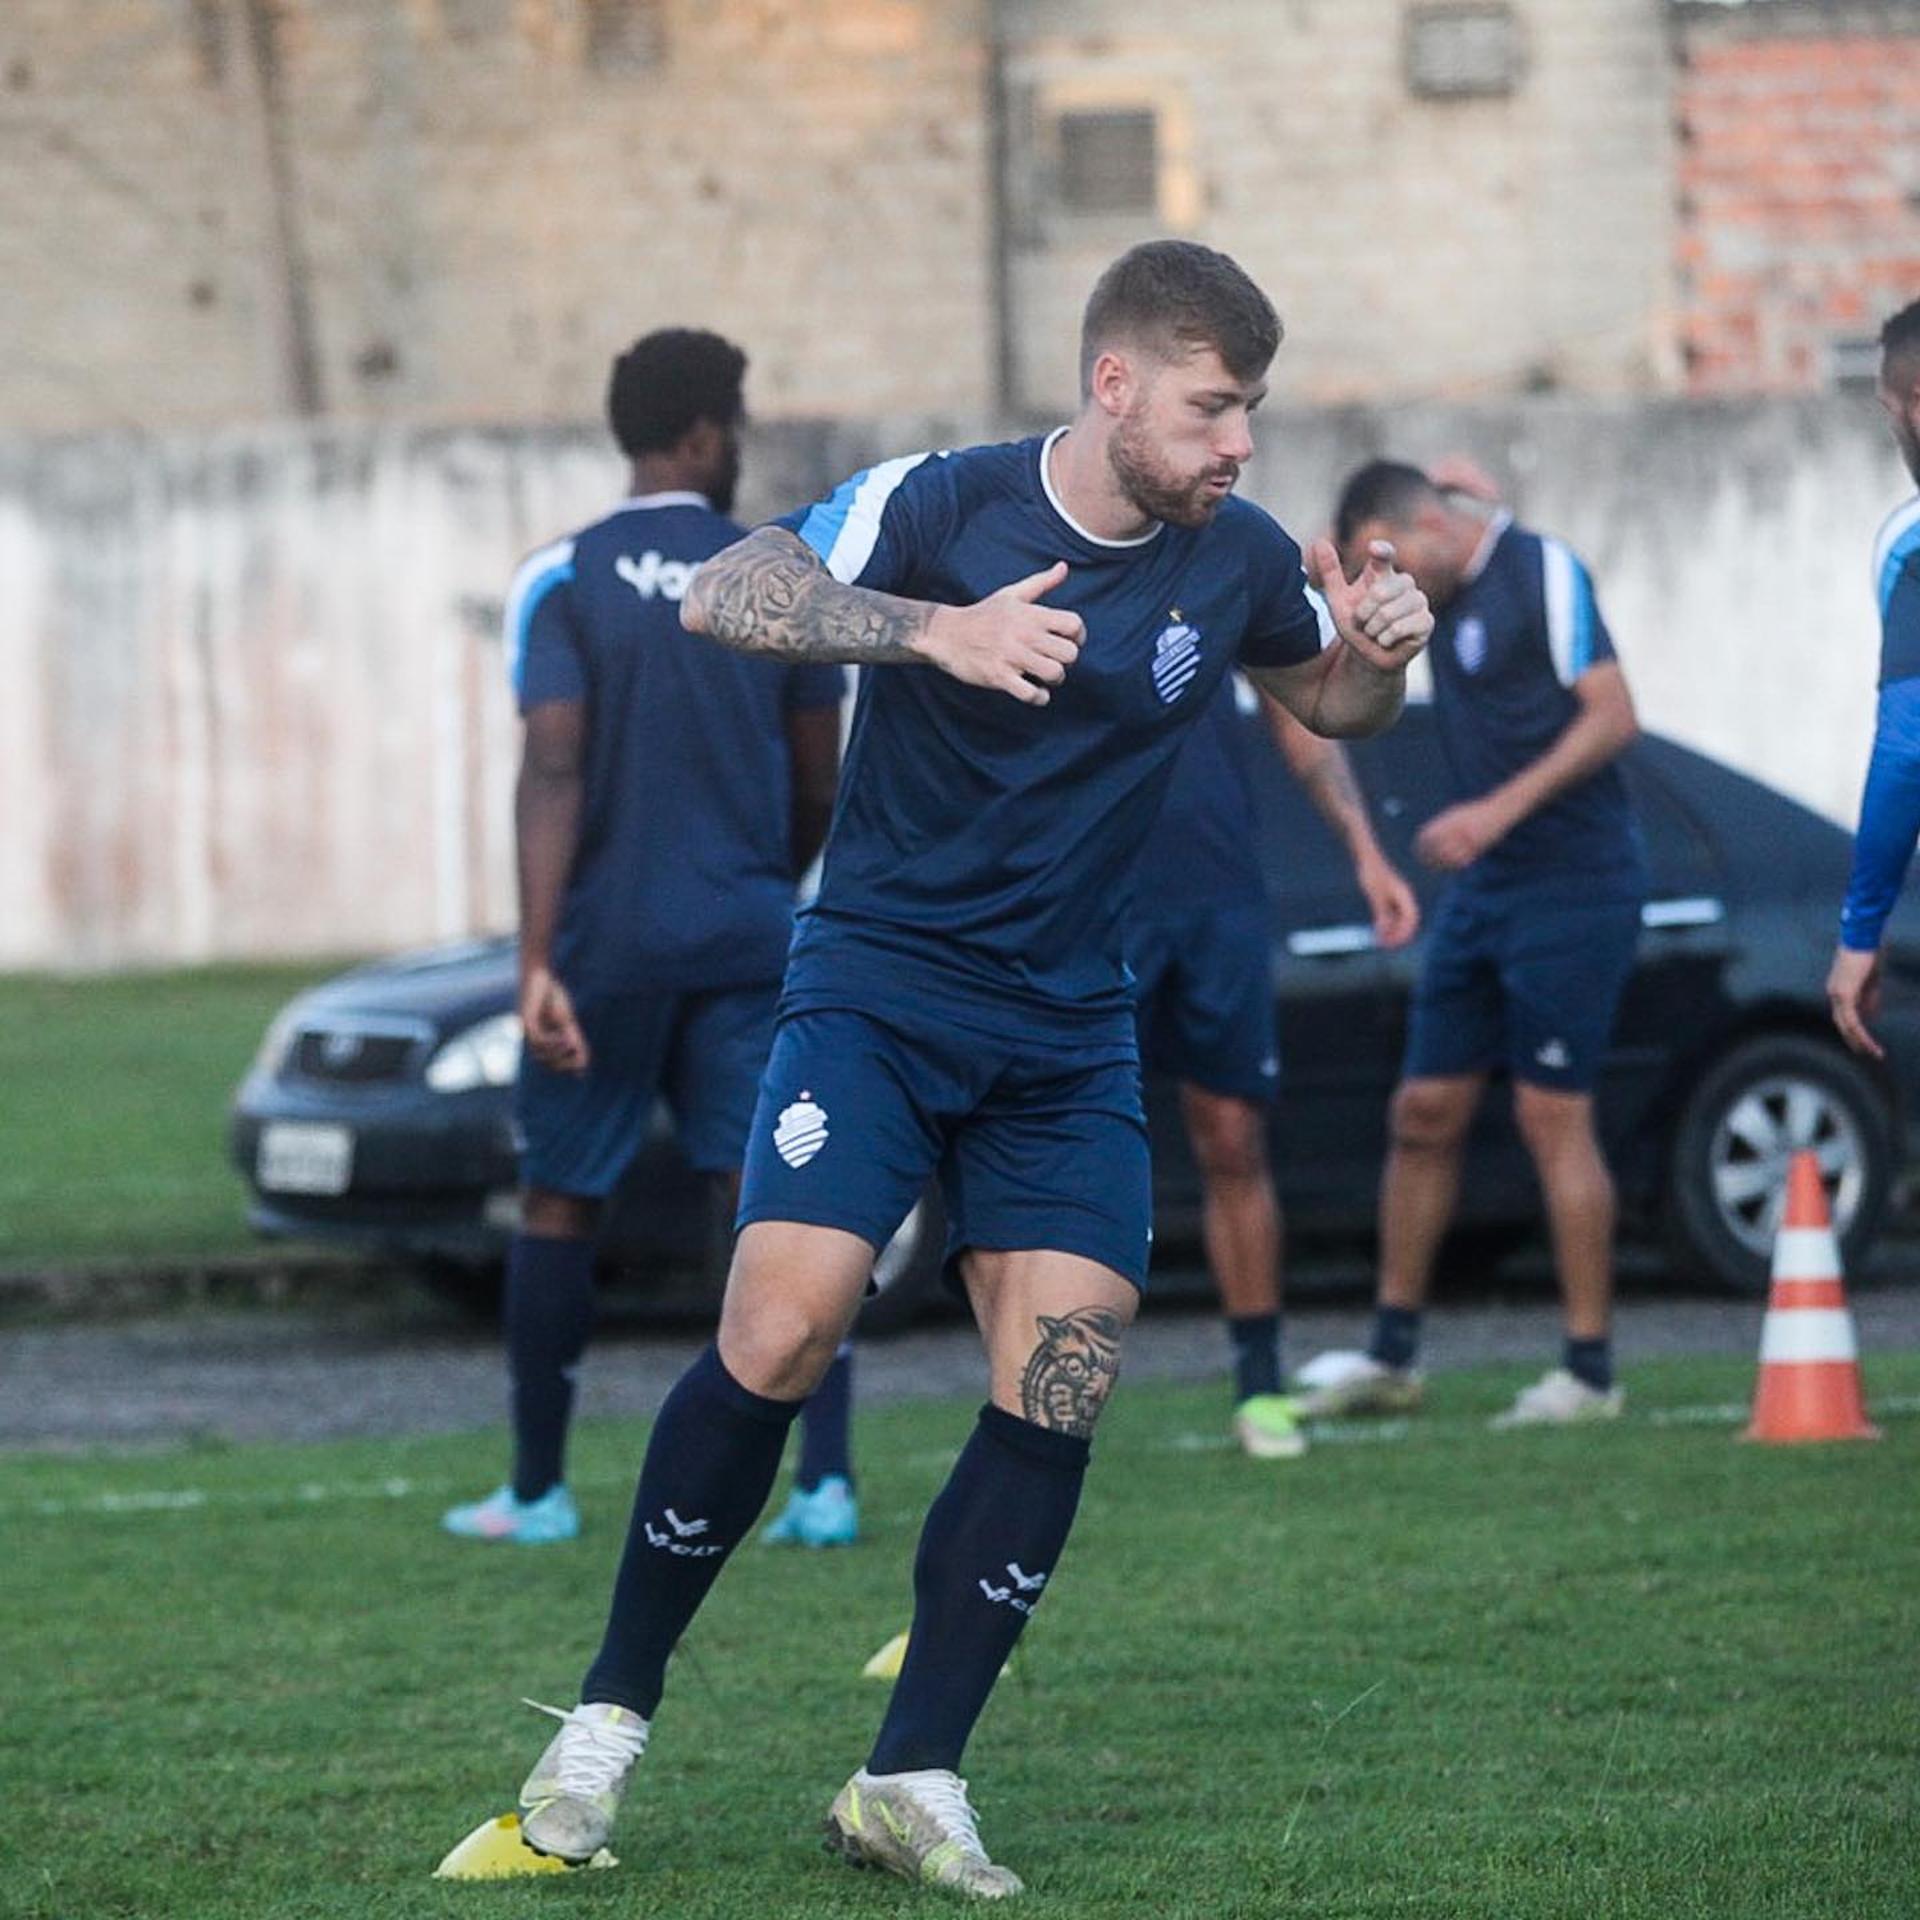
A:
(1470, 643)
(1176, 657)
(801, 1131)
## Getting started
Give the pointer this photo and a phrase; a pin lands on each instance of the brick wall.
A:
(1798, 186)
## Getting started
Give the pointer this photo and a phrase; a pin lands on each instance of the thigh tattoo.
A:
(1072, 1370)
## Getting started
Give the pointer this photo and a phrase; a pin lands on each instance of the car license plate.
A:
(298, 1157)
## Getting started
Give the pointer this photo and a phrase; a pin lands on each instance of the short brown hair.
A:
(1900, 344)
(1165, 294)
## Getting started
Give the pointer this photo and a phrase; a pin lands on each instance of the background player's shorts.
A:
(1203, 991)
(1522, 981)
(704, 1051)
(1036, 1146)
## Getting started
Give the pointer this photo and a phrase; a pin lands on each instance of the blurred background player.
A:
(670, 795)
(1890, 807)
(1200, 947)
(1534, 939)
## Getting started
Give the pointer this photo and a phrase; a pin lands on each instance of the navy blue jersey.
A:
(683, 875)
(1200, 853)
(1896, 579)
(992, 841)
(1506, 650)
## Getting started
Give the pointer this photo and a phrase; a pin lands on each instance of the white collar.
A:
(1498, 525)
(1059, 506)
(681, 498)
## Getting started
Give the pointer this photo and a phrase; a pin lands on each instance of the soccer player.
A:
(1534, 939)
(1890, 807)
(1041, 621)
(1200, 948)
(669, 796)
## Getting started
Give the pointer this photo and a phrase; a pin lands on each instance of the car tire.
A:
(1727, 1167)
(475, 1288)
(907, 1273)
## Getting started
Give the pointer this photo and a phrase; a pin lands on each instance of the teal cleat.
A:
(826, 1516)
(526, 1523)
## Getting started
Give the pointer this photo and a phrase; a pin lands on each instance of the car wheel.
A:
(907, 1272)
(474, 1287)
(1756, 1107)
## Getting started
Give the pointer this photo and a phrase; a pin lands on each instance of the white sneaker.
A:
(1334, 1384)
(569, 1800)
(1560, 1400)
(919, 1826)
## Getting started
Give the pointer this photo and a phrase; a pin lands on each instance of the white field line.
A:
(134, 1502)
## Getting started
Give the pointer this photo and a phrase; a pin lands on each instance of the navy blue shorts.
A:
(1037, 1147)
(1203, 995)
(702, 1051)
(1524, 982)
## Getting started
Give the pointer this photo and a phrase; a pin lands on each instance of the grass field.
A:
(1430, 1671)
(113, 1103)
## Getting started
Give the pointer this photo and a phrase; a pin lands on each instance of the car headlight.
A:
(486, 1055)
(277, 1042)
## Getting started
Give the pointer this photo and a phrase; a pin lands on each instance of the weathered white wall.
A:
(254, 695)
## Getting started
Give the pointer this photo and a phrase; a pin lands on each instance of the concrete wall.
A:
(255, 700)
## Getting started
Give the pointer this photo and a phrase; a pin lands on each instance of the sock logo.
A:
(683, 1531)
(1023, 1583)
(800, 1132)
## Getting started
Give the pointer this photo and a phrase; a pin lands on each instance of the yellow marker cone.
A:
(885, 1665)
(494, 1850)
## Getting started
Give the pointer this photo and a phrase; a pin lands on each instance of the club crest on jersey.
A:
(800, 1132)
(1176, 658)
(1470, 643)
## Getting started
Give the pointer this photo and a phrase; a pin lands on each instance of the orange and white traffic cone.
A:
(1809, 1385)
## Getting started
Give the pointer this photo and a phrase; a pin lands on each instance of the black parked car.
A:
(377, 1110)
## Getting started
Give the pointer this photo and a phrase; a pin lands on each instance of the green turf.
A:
(113, 1106)
(1643, 1671)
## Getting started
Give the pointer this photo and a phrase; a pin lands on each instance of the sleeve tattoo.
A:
(769, 594)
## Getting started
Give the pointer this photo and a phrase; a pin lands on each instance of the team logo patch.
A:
(800, 1132)
(1470, 643)
(1176, 659)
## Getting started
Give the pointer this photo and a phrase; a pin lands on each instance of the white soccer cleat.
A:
(1561, 1399)
(1335, 1384)
(919, 1826)
(569, 1800)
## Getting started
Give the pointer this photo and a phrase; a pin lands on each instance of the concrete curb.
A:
(113, 1289)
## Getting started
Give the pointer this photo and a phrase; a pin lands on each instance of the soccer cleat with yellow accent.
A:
(919, 1826)
(1267, 1426)
(568, 1801)
(1333, 1385)
(494, 1850)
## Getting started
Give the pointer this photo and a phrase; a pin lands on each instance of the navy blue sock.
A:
(548, 1311)
(710, 1466)
(1256, 1354)
(989, 1546)
(1396, 1336)
(825, 1423)
(1591, 1361)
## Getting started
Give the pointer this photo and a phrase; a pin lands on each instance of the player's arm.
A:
(772, 594)
(1882, 852)
(1357, 683)
(1603, 728)
(813, 753)
(546, 832)
(1324, 771)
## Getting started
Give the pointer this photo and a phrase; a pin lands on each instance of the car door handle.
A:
(1691, 910)
(1330, 943)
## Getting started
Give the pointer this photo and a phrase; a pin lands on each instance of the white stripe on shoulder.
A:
(536, 573)
(853, 545)
(1560, 579)
(1321, 612)
(1901, 525)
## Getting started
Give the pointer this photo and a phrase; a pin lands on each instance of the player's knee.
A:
(1552, 1124)
(780, 1348)
(1229, 1142)
(1428, 1119)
